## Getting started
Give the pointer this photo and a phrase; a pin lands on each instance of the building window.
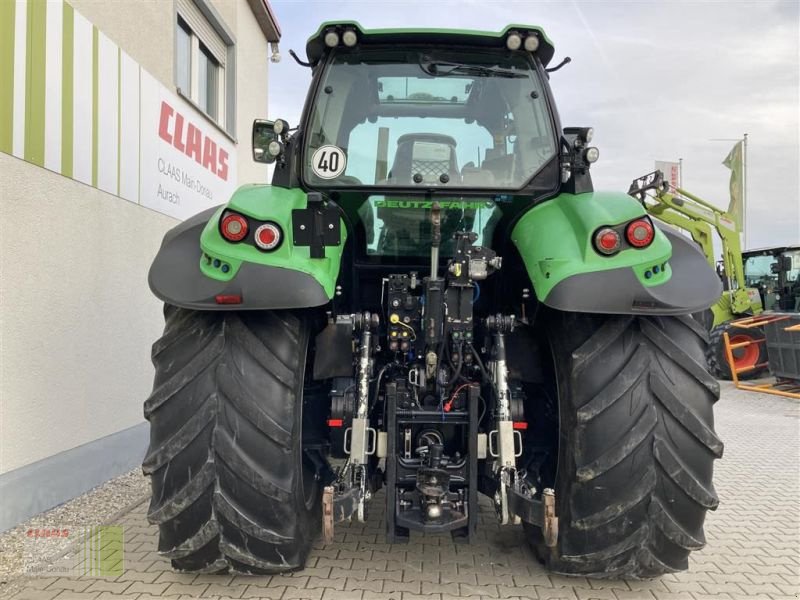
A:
(184, 57)
(208, 83)
(205, 62)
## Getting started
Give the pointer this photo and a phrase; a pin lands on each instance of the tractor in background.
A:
(753, 281)
(775, 273)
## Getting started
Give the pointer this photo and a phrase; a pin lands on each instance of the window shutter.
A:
(200, 26)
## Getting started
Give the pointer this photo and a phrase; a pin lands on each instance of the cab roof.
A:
(774, 250)
(315, 47)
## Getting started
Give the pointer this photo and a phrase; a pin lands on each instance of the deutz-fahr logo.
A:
(443, 204)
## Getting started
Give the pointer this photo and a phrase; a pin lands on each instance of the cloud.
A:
(657, 80)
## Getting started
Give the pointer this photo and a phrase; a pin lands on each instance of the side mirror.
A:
(267, 146)
(783, 265)
(263, 135)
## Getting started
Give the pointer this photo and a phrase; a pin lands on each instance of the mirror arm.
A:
(566, 61)
(296, 58)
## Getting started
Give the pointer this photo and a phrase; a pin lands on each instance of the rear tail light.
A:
(607, 241)
(268, 236)
(228, 299)
(233, 227)
(640, 233)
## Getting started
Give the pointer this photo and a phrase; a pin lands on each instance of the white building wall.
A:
(145, 30)
(77, 318)
(251, 93)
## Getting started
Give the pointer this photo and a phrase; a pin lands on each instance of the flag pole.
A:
(744, 191)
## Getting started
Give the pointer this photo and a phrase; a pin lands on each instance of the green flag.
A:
(735, 162)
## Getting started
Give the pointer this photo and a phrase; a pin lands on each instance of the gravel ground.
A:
(100, 505)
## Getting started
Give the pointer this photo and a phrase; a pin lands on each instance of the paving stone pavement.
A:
(753, 546)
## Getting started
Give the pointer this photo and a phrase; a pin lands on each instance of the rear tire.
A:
(230, 486)
(637, 444)
(750, 355)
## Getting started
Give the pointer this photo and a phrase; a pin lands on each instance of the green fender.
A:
(195, 264)
(555, 241)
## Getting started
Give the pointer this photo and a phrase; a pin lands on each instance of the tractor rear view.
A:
(430, 300)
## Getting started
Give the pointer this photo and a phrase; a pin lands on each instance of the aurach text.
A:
(187, 138)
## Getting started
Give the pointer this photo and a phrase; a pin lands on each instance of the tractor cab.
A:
(775, 273)
(420, 119)
(394, 122)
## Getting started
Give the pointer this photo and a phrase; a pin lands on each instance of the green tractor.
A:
(775, 273)
(430, 301)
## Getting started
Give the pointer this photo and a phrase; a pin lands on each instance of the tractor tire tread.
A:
(636, 465)
(224, 459)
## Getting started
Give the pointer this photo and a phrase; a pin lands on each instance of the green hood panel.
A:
(555, 241)
(267, 203)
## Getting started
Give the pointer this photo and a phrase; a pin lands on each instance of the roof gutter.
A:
(266, 19)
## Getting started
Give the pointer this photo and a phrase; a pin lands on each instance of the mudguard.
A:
(197, 268)
(670, 276)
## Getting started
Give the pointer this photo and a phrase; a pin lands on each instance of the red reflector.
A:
(520, 425)
(233, 227)
(335, 422)
(607, 241)
(268, 236)
(640, 233)
(228, 299)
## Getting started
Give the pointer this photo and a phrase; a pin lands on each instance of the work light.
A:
(532, 42)
(349, 38)
(513, 41)
(331, 39)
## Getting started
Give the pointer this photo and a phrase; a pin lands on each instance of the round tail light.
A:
(640, 233)
(233, 227)
(607, 241)
(268, 236)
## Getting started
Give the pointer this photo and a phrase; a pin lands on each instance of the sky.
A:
(656, 80)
